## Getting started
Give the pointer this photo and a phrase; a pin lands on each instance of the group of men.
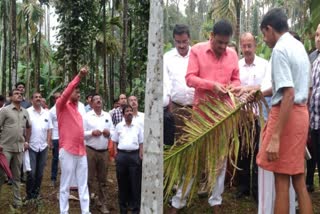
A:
(79, 137)
(212, 68)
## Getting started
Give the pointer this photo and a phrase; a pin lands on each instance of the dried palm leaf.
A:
(211, 136)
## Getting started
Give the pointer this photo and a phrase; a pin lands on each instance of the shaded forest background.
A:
(110, 36)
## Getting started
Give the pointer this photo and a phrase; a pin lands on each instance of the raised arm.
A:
(62, 100)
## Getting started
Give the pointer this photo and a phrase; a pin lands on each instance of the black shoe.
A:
(241, 194)
(10, 182)
(310, 188)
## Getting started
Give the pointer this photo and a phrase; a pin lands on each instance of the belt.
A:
(97, 150)
(128, 151)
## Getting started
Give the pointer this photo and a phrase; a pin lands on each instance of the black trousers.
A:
(168, 127)
(314, 149)
(129, 173)
(244, 163)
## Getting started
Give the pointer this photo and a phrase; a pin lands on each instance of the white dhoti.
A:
(267, 193)
(73, 166)
(179, 201)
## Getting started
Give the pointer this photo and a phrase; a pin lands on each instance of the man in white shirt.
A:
(175, 63)
(128, 147)
(138, 117)
(98, 125)
(253, 70)
(55, 142)
(41, 131)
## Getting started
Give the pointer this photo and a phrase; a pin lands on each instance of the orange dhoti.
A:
(293, 140)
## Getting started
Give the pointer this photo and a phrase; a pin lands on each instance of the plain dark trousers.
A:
(314, 149)
(129, 173)
(37, 163)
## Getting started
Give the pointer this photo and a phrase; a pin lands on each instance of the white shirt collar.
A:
(176, 53)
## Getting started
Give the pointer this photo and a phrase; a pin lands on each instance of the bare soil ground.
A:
(50, 204)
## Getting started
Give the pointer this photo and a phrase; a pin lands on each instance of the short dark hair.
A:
(180, 29)
(125, 107)
(223, 28)
(89, 95)
(36, 92)
(13, 90)
(94, 95)
(277, 19)
(20, 83)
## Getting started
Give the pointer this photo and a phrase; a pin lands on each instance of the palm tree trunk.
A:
(48, 39)
(10, 49)
(123, 60)
(14, 61)
(97, 70)
(111, 76)
(237, 33)
(152, 165)
(28, 60)
(105, 74)
(4, 48)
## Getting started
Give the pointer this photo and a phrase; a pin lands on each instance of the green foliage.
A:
(77, 20)
(255, 20)
(171, 18)
(167, 47)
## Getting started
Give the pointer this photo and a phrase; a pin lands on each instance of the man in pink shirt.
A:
(72, 153)
(213, 67)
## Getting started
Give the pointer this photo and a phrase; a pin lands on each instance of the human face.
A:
(248, 46)
(181, 42)
(21, 88)
(75, 96)
(133, 102)
(219, 43)
(88, 100)
(122, 99)
(96, 102)
(269, 36)
(317, 38)
(36, 99)
(16, 96)
(128, 114)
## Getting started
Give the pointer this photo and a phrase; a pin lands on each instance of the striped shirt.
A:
(314, 107)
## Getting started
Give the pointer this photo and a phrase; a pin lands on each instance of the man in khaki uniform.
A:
(15, 134)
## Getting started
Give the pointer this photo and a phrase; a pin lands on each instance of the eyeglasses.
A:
(185, 42)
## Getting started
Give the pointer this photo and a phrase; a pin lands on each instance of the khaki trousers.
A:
(15, 161)
(97, 173)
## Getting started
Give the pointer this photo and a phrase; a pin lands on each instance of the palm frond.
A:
(212, 135)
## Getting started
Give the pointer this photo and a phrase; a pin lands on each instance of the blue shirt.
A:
(290, 67)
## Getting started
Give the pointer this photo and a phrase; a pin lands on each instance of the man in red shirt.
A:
(213, 67)
(72, 153)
